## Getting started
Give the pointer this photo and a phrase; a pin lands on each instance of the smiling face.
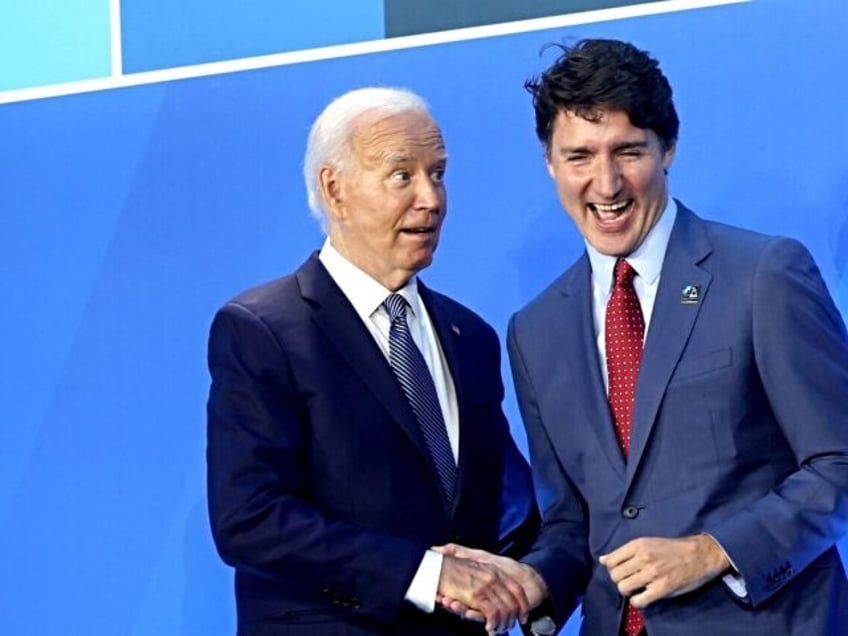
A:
(610, 177)
(386, 203)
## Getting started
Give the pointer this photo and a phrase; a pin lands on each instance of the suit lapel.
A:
(671, 324)
(573, 332)
(450, 337)
(337, 319)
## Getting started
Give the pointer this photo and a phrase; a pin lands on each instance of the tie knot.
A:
(623, 273)
(395, 305)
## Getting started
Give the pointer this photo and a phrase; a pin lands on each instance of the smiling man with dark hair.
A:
(684, 386)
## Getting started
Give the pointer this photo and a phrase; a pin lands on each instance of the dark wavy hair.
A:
(595, 75)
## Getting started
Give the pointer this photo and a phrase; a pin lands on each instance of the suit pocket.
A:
(315, 626)
(693, 366)
(304, 617)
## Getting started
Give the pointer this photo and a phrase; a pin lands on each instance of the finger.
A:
(494, 612)
(647, 596)
(448, 549)
(625, 569)
(474, 615)
(445, 600)
(523, 603)
(462, 610)
(631, 579)
(619, 555)
(498, 609)
(513, 601)
(486, 592)
(464, 552)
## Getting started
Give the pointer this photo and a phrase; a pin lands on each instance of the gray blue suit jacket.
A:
(740, 430)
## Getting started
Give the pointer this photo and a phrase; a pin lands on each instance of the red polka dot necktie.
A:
(624, 330)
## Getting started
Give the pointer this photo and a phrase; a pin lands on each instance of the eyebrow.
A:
(625, 145)
(397, 158)
(628, 145)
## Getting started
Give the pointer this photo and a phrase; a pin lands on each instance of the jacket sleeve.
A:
(560, 553)
(519, 524)
(262, 520)
(801, 356)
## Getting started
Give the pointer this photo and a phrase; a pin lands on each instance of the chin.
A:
(422, 264)
(421, 259)
(612, 248)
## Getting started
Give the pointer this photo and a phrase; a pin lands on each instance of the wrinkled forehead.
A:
(396, 136)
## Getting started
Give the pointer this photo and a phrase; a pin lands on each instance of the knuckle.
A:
(489, 577)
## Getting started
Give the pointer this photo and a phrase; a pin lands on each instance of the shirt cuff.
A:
(425, 584)
(734, 581)
(736, 584)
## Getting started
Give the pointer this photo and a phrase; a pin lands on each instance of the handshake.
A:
(487, 588)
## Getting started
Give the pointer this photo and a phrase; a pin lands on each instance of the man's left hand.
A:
(649, 569)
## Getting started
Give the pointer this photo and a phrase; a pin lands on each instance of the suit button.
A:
(630, 512)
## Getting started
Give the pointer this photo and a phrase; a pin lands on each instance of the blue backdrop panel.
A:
(129, 216)
(162, 33)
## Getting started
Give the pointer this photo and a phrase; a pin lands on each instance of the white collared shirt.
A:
(367, 296)
(647, 261)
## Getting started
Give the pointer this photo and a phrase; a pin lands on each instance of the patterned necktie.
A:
(408, 364)
(625, 328)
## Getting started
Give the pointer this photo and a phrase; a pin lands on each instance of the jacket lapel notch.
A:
(675, 311)
(337, 319)
(577, 328)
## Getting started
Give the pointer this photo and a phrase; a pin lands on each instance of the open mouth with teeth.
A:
(609, 212)
(418, 230)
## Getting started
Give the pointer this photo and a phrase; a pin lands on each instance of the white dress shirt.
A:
(647, 261)
(367, 296)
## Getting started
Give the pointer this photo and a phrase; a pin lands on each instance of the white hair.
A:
(329, 139)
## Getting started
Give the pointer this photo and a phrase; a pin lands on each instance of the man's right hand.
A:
(491, 595)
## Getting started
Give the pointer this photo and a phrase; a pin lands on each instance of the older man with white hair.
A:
(354, 417)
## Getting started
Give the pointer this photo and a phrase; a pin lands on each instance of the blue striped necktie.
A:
(408, 364)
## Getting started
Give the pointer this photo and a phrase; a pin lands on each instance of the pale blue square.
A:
(53, 41)
(166, 33)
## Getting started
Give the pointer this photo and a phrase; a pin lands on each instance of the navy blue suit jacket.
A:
(322, 493)
(740, 430)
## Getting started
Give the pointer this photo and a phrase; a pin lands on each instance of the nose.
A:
(429, 194)
(606, 179)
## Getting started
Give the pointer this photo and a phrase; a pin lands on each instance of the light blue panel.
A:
(163, 33)
(52, 41)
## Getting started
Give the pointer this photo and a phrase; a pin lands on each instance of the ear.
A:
(668, 156)
(548, 164)
(330, 183)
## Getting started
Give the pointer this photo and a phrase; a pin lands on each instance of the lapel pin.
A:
(455, 329)
(690, 294)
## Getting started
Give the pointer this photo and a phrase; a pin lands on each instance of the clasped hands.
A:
(499, 591)
(488, 588)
